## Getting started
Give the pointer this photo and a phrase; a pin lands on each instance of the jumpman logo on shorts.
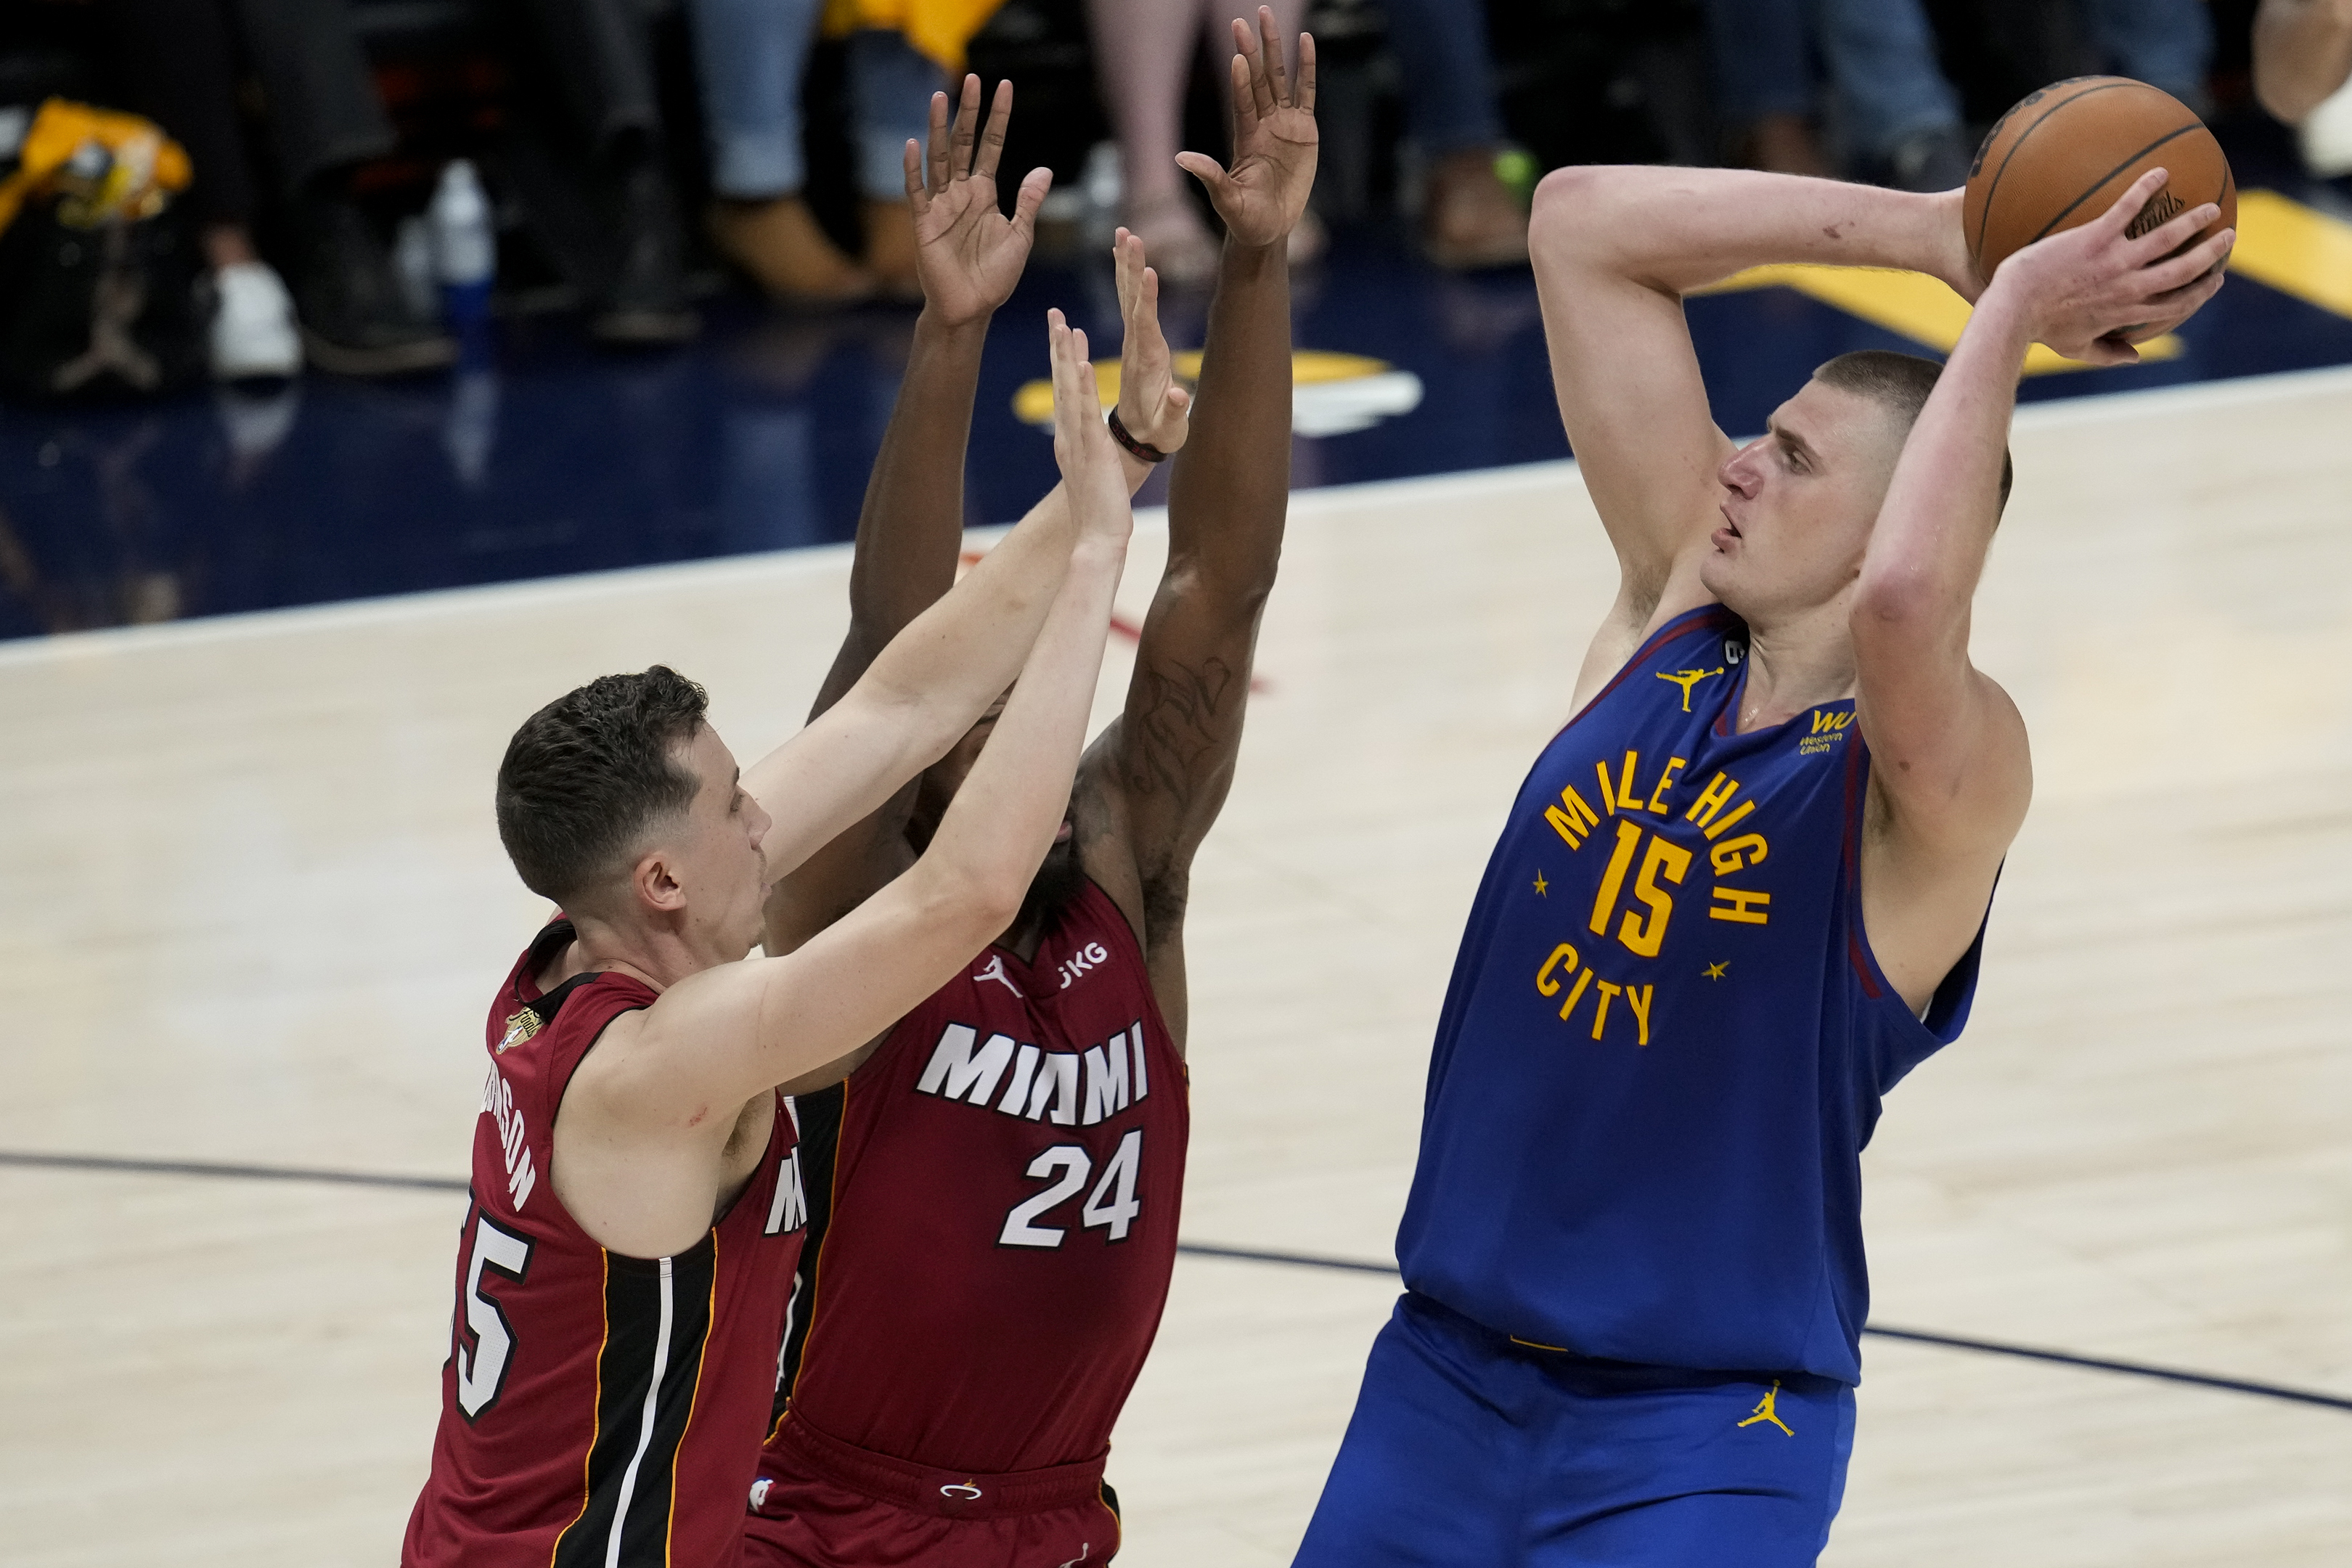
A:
(996, 971)
(1768, 1409)
(1687, 678)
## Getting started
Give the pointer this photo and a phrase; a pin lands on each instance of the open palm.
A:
(968, 254)
(1276, 141)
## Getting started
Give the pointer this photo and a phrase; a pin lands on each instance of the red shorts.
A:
(822, 1503)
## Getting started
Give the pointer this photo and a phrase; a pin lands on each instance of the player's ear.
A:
(654, 884)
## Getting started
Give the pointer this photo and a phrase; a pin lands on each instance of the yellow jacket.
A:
(127, 172)
(937, 28)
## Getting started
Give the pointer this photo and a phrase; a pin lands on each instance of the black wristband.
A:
(1143, 451)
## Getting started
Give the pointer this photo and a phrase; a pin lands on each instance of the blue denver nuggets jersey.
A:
(1666, 1038)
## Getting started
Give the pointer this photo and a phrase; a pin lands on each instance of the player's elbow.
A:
(1899, 608)
(976, 895)
(1570, 208)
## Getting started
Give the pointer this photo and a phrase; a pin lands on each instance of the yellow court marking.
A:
(1033, 403)
(2295, 250)
(1921, 308)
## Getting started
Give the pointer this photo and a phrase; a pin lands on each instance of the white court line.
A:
(587, 588)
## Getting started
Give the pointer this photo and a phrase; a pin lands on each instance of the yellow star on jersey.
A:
(1543, 889)
(1714, 970)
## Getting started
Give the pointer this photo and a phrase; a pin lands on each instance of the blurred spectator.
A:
(175, 63)
(325, 120)
(1469, 217)
(750, 56)
(2303, 54)
(2164, 43)
(602, 56)
(1765, 84)
(1143, 57)
(1896, 116)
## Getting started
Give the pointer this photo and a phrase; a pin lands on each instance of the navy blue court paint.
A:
(546, 455)
(119, 1165)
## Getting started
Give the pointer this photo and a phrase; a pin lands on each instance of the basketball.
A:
(2063, 155)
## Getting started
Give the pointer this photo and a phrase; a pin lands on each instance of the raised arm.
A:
(1169, 760)
(1951, 775)
(724, 1034)
(970, 256)
(910, 535)
(2302, 53)
(1615, 250)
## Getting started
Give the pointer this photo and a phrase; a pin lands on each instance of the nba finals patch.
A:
(521, 1026)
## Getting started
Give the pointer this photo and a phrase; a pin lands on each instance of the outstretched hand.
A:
(1083, 446)
(1275, 139)
(2092, 292)
(1155, 410)
(968, 254)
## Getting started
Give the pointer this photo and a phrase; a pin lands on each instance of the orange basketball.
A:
(2063, 155)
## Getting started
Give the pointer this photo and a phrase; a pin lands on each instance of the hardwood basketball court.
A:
(254, 903)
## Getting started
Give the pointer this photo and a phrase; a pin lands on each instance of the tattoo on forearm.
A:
(1183, 725)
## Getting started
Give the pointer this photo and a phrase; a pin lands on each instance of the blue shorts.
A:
(1469, 1448)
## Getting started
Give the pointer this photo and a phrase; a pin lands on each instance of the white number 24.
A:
(1111, 1207)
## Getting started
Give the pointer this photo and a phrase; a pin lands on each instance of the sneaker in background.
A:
(253, 333)
(356, 319)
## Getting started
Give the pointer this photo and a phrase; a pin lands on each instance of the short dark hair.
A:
(1899, 383)
(588, 774)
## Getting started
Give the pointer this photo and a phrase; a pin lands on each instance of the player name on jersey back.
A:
(598, 1411)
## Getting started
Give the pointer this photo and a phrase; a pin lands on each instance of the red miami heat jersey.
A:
(991, 1269)
(596, 1409)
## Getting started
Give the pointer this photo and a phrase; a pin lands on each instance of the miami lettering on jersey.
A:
(1043, 1085)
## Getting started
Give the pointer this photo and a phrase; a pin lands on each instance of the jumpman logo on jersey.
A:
(1687, 678)
(996, 971)
(1768, 1409)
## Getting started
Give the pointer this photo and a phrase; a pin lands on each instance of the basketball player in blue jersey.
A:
(1740, 896)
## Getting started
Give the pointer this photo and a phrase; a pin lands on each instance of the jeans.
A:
(750, 56)
(1449, 80)
(1882, 63)
(2165, 43)
(1881, 56)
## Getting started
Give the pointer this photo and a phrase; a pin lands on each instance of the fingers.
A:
(916, 196)
(1057, 350)
(991, 141)
(2120, 216)
(1082, 373)
(1206, 170)
(2175, 272)
(1028, 199)
(1302, 90)
(1125, 261)
(1250, 84)
(2179, 304)
(938, 142)
(1073, 374)
(967, 128)
(1147, 302)
(2107, 351)
(2169, 237)
(1270, 52)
